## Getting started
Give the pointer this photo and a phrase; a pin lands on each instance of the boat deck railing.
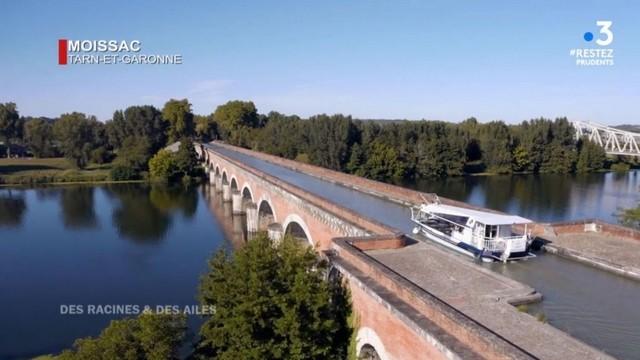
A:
(518, 242)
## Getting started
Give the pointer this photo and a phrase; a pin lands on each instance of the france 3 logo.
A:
(600, 55)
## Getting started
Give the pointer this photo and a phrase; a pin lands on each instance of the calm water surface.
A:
(117, 244)
(594, 306)
(132, 244)
(544, 198)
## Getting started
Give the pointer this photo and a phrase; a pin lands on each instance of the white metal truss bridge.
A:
(614, 141)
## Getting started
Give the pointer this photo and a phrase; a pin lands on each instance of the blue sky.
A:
(446, 60)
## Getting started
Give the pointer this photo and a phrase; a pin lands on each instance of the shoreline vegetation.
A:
(29, 171)
(33, 171)
(121, 149)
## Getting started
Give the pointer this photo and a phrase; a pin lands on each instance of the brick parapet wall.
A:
(575, 227)
(380, 242)
(465, 329)
(352, 217)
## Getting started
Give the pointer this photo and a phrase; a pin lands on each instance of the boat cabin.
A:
(481, 231)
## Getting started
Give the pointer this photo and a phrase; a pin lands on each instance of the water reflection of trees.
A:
(175, 199)
(542, 197)
(144, 213)
(12, 208)
(77, 204)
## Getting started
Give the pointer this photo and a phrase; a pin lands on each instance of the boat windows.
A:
(490, 231)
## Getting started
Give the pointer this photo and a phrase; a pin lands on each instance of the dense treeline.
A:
(382, 150)
(418, 149)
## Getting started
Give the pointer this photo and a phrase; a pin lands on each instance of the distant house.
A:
(16, 150)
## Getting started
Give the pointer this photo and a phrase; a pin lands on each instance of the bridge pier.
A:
(212, 177)
(226, 192)
(218, 183)
(239, 233)
(236, 200)
(275, 232)
(252, 217)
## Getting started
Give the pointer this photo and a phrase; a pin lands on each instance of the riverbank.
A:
(33, 171)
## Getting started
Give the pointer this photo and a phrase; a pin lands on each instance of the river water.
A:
(595, 306)
(133, 244)
(96, 245)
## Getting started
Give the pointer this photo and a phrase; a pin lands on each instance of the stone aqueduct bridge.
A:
(396, 319)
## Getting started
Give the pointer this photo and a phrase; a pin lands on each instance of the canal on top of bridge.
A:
(594, 306)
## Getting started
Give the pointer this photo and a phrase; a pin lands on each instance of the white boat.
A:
(481, 234)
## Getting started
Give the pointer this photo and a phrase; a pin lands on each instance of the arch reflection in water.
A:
(234, 226)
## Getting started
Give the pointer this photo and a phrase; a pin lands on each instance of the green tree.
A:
(559, 154)
(206, 129)
(591, 157)
(75, 136)
(138, 122)
(521, 160)
(178, 114)
(383, 163)
(149, 336)
(162, 166)
(356, 159)
(166, 166)
(9, 124)
(132, 159)
(329, 140)
(272, 302)
(187, 158)
(38, 136)
(496, 143)
(281, 135)
(235, 119)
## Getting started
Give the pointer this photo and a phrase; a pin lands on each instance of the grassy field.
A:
(28, 171)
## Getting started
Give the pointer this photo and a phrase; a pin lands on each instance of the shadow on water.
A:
(78, 210)
(12, 208)
(143, 213)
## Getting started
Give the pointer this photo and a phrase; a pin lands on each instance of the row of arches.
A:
(292, 224)
(368, 344)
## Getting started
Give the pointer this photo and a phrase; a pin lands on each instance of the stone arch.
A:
(368, 352)
(217, 169)
(266, 214)
(234, 183)
(295, 226)
(368, 344)
(225, 178)
(247, 193)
